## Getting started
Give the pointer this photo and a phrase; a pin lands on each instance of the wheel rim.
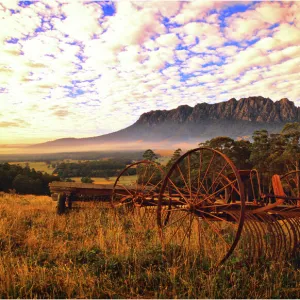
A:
(196, 202)
(138, 194)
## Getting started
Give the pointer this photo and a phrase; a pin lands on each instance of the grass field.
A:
(101, 180)
(93, 253)
(38, 166)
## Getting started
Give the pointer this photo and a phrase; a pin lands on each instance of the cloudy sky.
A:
(79, 68)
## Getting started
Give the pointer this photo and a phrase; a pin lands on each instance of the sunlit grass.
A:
(95, 253)
(110, 180)
(37, 165)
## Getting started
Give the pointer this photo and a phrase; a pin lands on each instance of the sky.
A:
(79, 68)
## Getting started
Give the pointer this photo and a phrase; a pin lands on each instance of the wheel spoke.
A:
(178, 190)
(218, 191)
(215, 229)
(200, 192)
(183, 178)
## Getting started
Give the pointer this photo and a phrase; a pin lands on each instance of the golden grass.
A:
(94, 253)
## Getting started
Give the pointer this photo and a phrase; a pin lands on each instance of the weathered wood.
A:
(81, 189)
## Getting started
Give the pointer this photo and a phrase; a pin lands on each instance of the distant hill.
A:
(234, 118)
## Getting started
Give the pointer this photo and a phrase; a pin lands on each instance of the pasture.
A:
(37, 165)
(110, 180)
(93, 253)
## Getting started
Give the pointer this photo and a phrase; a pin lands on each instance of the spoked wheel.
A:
(136, 191)
(201, 207)
(291, 185)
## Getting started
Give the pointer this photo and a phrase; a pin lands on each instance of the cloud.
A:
(61, 113)
(73, 59)
(18, 123)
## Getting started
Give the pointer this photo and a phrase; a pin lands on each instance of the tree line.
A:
(269, 153)
(24, 180)
(103, 168)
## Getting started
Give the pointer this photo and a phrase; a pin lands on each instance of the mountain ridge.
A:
(234, 118)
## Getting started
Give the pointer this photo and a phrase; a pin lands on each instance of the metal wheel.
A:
(201, 206)
(136, 191)
(291, 185)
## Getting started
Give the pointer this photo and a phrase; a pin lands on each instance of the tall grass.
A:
(93, 253)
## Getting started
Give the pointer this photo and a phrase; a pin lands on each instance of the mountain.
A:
(234, 118)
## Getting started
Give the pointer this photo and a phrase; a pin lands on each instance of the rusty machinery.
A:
(204, 205)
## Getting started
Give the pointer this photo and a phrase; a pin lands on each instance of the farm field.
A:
(93, 253)
(38, 166)
(111, 180)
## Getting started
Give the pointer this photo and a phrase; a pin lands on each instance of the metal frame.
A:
(202, 198)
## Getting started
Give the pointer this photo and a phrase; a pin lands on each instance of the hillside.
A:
(234, 118)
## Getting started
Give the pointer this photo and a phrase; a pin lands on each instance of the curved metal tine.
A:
(261, 232)
(296, 224)
(256, 242)
(251, 238)
(267, 236)
(294, 239)
(277, 236)
(240, 246)
(246, 242)
(282, 247)
(287, 228)
(289, 235)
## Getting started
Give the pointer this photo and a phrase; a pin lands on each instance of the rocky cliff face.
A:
(233, 118)
(252, 109)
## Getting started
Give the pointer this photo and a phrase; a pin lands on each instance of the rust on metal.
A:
(204, 205)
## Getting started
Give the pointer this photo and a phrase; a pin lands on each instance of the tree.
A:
(241, 152)
(26, 185)
(87, 180)
(260, 156)
(276, 159)
(68, 180)
(222, 143)
(150, 155)
(291, 131)
(175, 156)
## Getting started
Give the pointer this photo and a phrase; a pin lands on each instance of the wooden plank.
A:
(60, 184)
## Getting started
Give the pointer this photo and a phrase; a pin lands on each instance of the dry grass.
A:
(91, 253)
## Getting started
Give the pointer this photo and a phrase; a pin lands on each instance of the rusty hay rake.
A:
(205, 206)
